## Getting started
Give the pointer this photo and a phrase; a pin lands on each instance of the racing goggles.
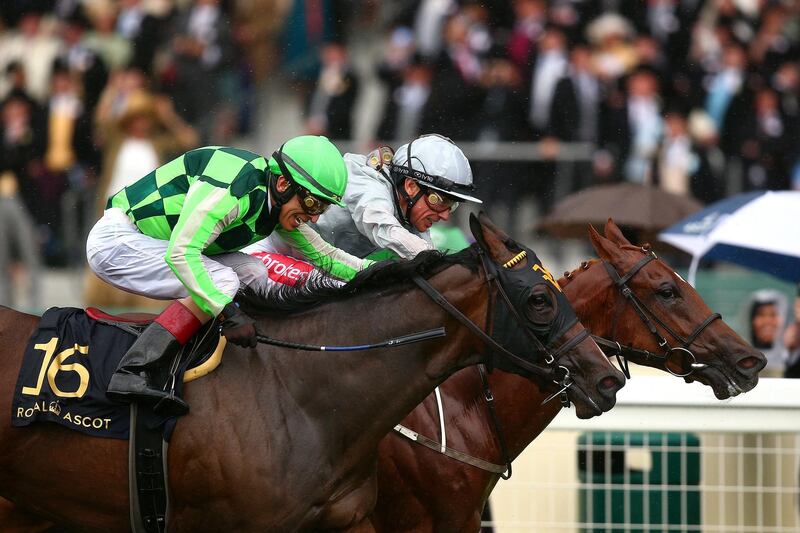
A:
(439, 202)
(311, 205)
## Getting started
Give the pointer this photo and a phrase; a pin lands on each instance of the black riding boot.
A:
(130, 381)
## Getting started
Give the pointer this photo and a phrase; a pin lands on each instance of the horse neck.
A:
(359, 396)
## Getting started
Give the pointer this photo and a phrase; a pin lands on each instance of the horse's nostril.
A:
(610, 383)
(750, 363)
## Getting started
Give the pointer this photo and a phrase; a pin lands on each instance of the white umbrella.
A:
(759, 230)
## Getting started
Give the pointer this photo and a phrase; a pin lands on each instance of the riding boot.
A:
(158, 342)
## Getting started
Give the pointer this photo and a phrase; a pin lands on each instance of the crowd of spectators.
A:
(697, 96)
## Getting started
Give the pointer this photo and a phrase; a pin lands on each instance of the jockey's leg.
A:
(158, 342)
(119, 254)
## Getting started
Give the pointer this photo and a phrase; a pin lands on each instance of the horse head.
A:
(531, 317)
(687, 338)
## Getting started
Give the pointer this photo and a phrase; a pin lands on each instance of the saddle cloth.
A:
(65, 372)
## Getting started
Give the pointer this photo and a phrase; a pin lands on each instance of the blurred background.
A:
(693, 100)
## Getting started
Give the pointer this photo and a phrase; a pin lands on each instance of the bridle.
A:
(551, 369)
(652, 320)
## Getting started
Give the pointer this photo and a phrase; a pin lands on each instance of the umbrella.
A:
(643, 208)
(755, 229)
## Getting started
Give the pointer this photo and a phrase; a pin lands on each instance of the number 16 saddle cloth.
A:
(66, 368)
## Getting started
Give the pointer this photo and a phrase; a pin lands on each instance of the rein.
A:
(390, 343)
(651, 320)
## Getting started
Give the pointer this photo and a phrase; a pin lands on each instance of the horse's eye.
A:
(667, 293)
(538, 300)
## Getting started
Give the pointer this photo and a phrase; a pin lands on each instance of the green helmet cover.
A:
(315, 164)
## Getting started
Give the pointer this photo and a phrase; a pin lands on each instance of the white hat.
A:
(437, 163)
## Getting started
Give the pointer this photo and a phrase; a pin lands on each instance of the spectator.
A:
(763, 134)
(143, 29)
(676, 159)
(455, 88)
(549, 66)
(114, 49)
(530, 17)
(613, 55)
(708, 181)
(575, 113)
(766, 314)
(646, 125)
(64, 180)
(35, 49)
(82, 63)
(501, 118)
(202, 51)
(407, 103)
(20, 151)
(791, 340)
(331, 105)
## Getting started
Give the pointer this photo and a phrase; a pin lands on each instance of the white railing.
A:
(669, 457)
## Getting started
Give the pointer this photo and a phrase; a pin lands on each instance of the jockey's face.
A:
(292, 213)
(422, 216)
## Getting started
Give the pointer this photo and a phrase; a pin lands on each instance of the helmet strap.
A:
(410, 201)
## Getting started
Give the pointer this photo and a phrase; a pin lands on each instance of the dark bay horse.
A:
(423, 490)
(280, 440)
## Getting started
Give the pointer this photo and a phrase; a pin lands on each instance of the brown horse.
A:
(422, 490)
(279, 440)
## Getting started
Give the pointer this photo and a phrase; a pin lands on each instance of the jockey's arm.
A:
(207, 210)
(310, 246)
(374, 217)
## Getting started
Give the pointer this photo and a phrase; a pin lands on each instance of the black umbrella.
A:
(644, 209)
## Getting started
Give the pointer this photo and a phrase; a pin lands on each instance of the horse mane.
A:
(320, 288)
(585, 265)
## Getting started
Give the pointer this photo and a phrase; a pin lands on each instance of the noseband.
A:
(550, 371)
(650, 319)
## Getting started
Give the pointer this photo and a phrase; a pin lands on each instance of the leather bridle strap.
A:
(646, 314)
(498, 429)
(442, 302)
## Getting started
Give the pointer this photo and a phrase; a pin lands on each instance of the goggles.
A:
(311, 204)
(439, 202)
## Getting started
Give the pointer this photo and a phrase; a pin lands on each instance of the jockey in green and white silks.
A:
(392, 200)
(175, 233)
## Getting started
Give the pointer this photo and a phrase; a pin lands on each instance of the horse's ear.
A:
(613, 233)
(489, 238)
(605, 248)
(477, 230)
(486, 222)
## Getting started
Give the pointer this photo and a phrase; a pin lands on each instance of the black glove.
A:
(237, 327)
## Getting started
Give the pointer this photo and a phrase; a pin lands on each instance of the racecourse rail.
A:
(668, 458)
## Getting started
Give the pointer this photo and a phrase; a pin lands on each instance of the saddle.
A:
(205, 356)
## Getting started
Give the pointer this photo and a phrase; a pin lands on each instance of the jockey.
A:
(175, 233)
(393, 199)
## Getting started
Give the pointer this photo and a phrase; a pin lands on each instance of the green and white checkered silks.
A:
(207, 201)
(211, 201)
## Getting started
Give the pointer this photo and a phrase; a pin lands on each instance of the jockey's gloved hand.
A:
(237, 327)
